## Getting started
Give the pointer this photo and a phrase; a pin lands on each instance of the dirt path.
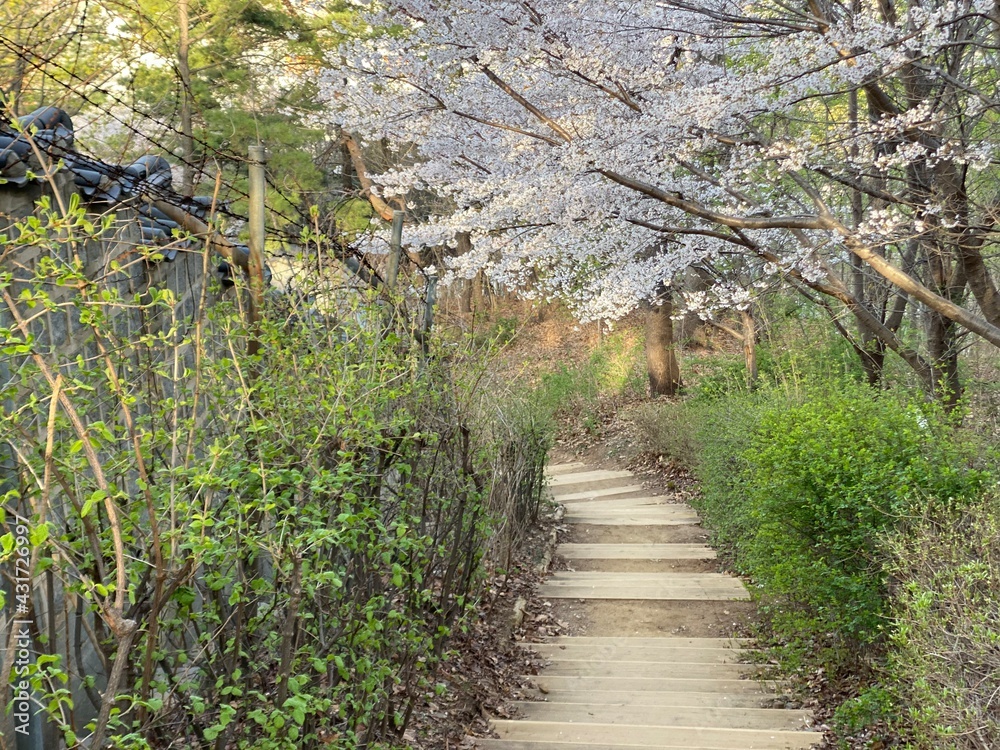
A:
(649, 661)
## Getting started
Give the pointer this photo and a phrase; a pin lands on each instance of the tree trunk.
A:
(943, 351)
(661, 360)
(693, 333)
(463, 246)
(346, 170)
(749, 345)
(465, 299)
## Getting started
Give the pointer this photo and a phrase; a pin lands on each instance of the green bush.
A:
(827, 478)
(272, 548)
(802, 487)
(872, 707)
(722, 435)
(778, 365)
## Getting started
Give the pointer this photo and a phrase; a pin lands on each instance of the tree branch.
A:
(382, 208)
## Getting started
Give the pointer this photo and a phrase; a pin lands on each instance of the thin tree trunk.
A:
(692, 333)
(464, 246)
(465, 299)
(661, 360)
(943, 350)
(749, 345)
(14, 96)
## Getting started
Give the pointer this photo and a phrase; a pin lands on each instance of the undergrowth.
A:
(576, 395)
(865, 524)
(242, 547)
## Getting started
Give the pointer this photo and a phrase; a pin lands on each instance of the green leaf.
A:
(39, 534)
(95, 497)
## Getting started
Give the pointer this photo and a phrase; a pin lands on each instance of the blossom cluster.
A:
(596, 149)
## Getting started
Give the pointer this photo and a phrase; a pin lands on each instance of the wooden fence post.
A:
(255, 263)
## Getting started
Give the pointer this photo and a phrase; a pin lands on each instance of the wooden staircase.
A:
(618, 692)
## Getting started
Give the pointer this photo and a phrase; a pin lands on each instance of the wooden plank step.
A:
(598, 579)
(664, 594)
(573, 551)
(593, 475)
(672, 684)
(634, 521)
(717, 717)
(566, 468)
(655, 641)
(557, 652)
(487, 743)
(628, 507)
(610, 668)
(616, 503)
(637, 588)
(646, 584)
(683, 736)
(618, 577)
(680, 519)
(595, 494)
(630, 698)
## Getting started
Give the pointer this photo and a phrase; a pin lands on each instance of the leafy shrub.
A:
(804, 485)
(874, 706)
(723, 433)
(273, 547)
(945, 661)
(827, 478)
(504, 330)
(779, 365)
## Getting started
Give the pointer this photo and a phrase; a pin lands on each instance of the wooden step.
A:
(594, 475)
(664, 655)
(659, 586)
(614, 668)
(662, 684)
(682, 736)
(566, 468)
(617, 503)
(627, 520)
(658, 641)
(486, 743)
(715, 717)
(629, 698)
(678, 577)
(624, 490)
(636, 551)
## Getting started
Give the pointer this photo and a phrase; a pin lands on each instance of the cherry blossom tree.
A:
(599, 148)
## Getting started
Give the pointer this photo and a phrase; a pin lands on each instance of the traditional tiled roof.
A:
(49, 130)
